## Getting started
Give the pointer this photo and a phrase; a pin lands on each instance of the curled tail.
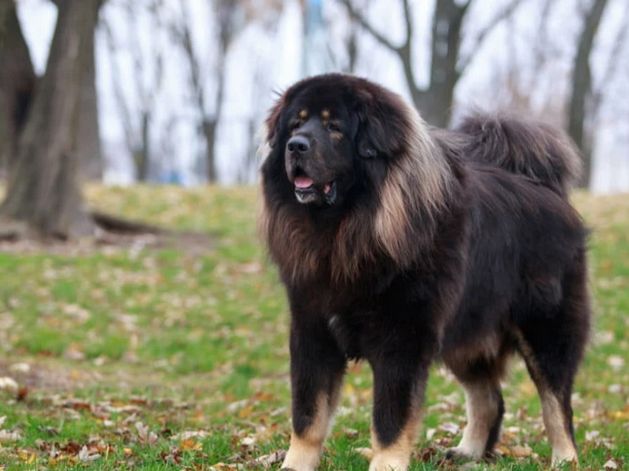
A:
(536, 150)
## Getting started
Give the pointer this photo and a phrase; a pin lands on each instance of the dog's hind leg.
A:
(552, 369)
(554, 392)
(552, 341)
(484, 406)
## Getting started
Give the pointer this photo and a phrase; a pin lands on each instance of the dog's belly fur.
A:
(355, 332)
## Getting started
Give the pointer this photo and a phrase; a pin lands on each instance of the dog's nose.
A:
(298, 144)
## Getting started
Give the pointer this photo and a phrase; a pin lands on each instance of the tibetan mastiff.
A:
(401, 244)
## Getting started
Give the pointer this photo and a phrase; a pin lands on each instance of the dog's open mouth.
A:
(307, 191)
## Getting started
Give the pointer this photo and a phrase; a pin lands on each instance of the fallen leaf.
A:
(7, 436)
(190, 444)
(190, 434)
(449, 427)
(145, 434)
(268, 460)
(249, 441)
(521, 451)
(21, 393)
(26, 456)
(590, 435)
(20, 368)
(85, 455)
(223, 467)
(8, 384)
(616, 362)
(614, 388)
(610, 464)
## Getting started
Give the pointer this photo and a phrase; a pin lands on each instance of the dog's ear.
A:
(273, 121)
(381, 128)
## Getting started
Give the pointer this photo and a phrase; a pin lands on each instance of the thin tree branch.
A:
(482, 35)
(184, 37)
(367, 26)
(612, 62)
(409, 24)
(541, 49)
(119, 96)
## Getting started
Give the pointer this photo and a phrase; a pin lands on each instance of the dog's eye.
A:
(333, 127)
(295, 124)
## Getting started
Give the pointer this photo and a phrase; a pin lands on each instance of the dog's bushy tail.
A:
(536, 150)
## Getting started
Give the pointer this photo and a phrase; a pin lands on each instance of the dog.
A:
(401, 245)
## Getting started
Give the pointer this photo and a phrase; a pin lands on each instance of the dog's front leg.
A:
(317, 367)
(399, 381)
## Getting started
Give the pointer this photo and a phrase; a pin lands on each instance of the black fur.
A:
(498, 254)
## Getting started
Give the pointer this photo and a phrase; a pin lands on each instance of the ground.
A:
(171, 356)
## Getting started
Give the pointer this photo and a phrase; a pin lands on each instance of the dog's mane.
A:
(399, 222)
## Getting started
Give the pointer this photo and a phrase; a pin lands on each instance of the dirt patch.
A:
(33, 375)
(190, 243)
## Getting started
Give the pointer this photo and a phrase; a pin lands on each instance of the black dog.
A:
(401, 245)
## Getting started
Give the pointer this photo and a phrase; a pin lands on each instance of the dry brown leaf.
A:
(521, 451)
(268, 460)
(190, 444)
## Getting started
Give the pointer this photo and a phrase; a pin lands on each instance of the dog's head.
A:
(361, 162)
(332, 131)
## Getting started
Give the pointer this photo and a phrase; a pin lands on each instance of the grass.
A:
(117, 351)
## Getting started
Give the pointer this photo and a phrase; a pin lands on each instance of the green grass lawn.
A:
(171, 357)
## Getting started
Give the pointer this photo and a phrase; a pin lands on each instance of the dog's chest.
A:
(352, 331)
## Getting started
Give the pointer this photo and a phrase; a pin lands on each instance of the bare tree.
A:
(88, 140)
(248, 169)
(522, 83)
(618, 46)
(582, 102)
(343, 51)
(43, 194)
(446, 64)
(225, 17)
(17, 82)
(138, 124)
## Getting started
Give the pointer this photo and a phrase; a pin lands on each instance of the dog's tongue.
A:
(303, 182)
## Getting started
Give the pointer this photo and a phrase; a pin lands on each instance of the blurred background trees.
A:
(173, 91)
(50, 121)
(435, 99)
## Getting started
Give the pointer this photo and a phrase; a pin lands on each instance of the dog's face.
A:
(331, 132)
(318, 150)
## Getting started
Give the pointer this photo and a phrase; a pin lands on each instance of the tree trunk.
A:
(582, 89)
(89, 144)
(17, 82)
(209, 131)
(43, 194)
(141, 155)
(435, 103)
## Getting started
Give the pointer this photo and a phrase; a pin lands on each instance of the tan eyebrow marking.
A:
(325, 114)
(303, 114)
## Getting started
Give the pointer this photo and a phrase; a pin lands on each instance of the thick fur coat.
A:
(401, 245)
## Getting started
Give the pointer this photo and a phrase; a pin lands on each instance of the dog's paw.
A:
(384, 463)
(459, 453)
(570, 460)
